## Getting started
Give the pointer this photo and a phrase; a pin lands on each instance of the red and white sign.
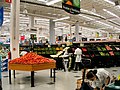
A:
(22, 37)
(8, 1)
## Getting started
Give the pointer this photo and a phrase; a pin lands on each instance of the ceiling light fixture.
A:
(110, 2)
(104, 23)
(114, 22)
(83, 10)
(43, 0)
(61, 19)
(59, 27)
(53, 2)
(86, 17)
(111, 13)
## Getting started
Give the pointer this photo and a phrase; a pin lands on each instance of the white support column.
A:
(77, 31)
(108, 35)
(38, 34)
(31, 22)
(70, 32)
(52, 32)
(14, 28)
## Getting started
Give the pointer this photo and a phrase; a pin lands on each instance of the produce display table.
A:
(32, 68)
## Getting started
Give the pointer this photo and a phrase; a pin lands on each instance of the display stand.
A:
(32, 68)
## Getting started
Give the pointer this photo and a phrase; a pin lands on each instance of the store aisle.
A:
(64, 80)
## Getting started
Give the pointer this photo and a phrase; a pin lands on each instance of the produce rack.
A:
(32, 68)
(102, 54)
(43, 50)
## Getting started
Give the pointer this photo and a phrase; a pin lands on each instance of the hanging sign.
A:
(8, 1)
(71, 6)
(1, 16)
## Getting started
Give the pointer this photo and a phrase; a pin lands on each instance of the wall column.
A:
(52, 32)
(31, 22)
(77, 31)
(14, 28)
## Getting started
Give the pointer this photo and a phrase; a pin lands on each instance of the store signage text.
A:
(71, 6)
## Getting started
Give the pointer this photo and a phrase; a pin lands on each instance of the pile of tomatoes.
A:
(31, 58)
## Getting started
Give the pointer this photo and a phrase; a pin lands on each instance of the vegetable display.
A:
(31, 58)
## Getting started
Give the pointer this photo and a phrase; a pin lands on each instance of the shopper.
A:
(78, 61)
(100, 78)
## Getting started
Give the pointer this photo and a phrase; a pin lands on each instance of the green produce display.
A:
(99, 49)
(44, 50)
(117, 53)
(103, 48)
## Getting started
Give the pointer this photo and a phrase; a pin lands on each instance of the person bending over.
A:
(100, 78)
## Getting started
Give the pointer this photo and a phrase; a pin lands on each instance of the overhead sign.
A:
(8, 1)
(1, 16)
(71, 6)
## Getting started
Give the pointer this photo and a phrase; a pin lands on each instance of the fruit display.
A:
(84, 49)
(40, 50)
(30, 59)
(99, 49)
(103, 48)
(110, 52)
(108, 47)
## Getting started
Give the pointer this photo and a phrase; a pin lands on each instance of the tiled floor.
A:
(64, 80)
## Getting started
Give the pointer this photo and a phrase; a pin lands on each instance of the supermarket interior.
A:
(60, 44)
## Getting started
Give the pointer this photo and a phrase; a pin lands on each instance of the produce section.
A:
(102, 54)
(43, 50)
(43, 35)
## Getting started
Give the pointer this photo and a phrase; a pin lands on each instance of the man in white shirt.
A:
(78, 61)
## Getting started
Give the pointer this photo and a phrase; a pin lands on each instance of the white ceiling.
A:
(99, 19)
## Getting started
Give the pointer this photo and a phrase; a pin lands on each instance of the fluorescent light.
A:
(59, 27)
(61, 19)
(116, 28)
(111, 13)
(104, 23)
(43, 0)
(110, 2)
(86, 17)
(114, 22)
(83, 10)
(53, 2)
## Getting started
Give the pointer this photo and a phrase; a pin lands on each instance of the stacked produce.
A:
(31, 58)
(110, 52)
